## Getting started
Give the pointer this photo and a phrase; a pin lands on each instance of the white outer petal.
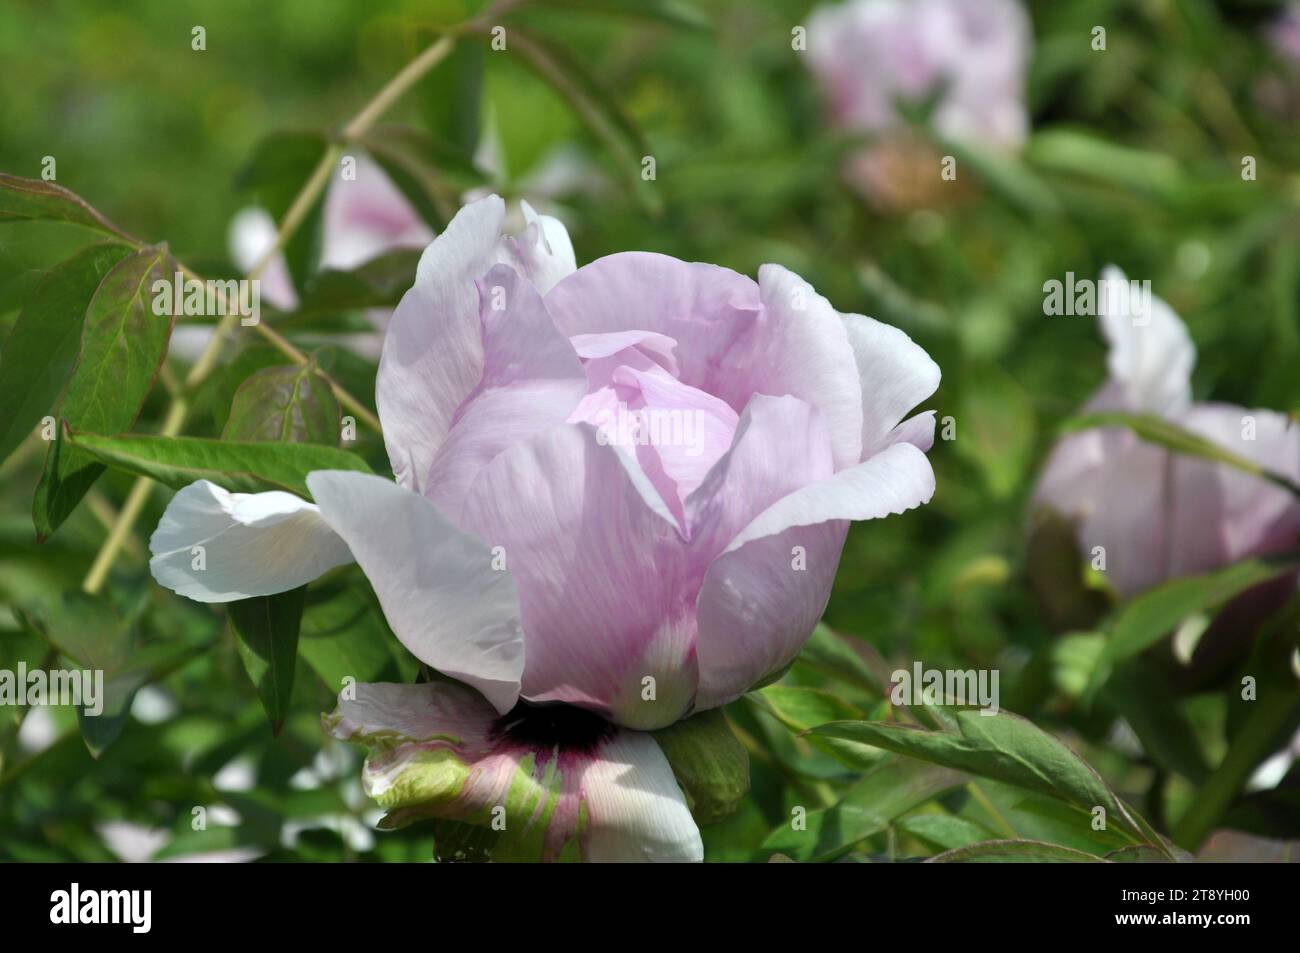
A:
(1151, 353)
(637, 810)
(254, 544)
(436, 584)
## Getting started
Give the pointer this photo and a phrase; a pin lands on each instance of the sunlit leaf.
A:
(123, 343)
(239, 467)
(41, 350)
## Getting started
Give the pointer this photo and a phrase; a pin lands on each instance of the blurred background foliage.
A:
(1134, 158)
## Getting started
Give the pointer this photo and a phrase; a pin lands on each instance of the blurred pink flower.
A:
(623, 488)
(1284, 33)
(870, 56)
(364, 217)
(1160, 515)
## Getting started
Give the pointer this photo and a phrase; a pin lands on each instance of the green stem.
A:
(1276, 707)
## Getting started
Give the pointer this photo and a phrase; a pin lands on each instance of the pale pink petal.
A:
(433, 353)
(545, 253)
(601, 574)
(1151, 354)
(658, 347)
(781, 445)
(707, 310)
(215, 546)
(803, 349)
(250, 235)
(366, 216)
(532, 380)
(763, 595)
(439, 588)
(896, 375)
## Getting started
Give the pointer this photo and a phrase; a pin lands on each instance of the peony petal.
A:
(761, 597)
(253, 544)
(433, 353)
(1253, 517)
(657, 347)
(636, 809)
(1151, 354)
(804, 350)
(532, 380)
(781, 444)
(437, 750)
(897, 479)
(896, 375)
(601, 575)
(544, 251)
(438, 587)
(707, 310)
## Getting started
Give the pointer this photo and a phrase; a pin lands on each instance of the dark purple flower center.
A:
(549, 726)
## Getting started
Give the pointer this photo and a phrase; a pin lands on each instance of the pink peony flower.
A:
(621, 495)
(1160, 515)
(364, 217)
(871, 55)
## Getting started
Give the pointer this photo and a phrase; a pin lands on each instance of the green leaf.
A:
(344, 635)
(886, 792)
(123, 344)
(675, 12)
(1145, 619)
(91, 634)
(1089, 156)
(1014, 852)
(844, 657)
(267, 627)
(594, 105)
(800, 708)
(1008, 748)
(238, 467)
(289, 403)
(944, 831)
(378, 283)
(41, 350)
(709, 763)
(1146, 701)
(279, 167)
(452, 98)
(1159, 431)
(430, 175)
(32, 199)
(999, 425)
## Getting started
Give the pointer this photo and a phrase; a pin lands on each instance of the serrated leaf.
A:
(267, 629)
(33, 199)
(288, 403)
(1148, 617)
(710, 764)
(800, 708)
(886, 792)
(238, 467)
(1007, 748)
(1014, 852)
(123, 343)
(41, 349)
